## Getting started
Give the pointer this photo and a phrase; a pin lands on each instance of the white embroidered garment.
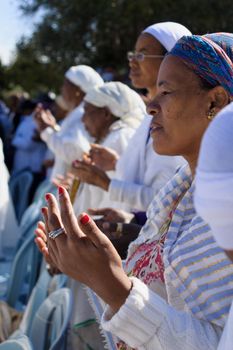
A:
(69, 143)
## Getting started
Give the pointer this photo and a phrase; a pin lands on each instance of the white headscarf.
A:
(83, 76)
(122, 101)
(167, 33)
(214, 178)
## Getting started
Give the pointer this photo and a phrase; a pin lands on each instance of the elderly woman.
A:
(140, 171)
(113, 111)
(69, 141)
(176, 289)
(213, 194)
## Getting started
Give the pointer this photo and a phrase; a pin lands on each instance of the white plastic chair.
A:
(20, 342)
(49, 326)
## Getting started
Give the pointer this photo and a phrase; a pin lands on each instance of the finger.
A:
(91, 230)
(41, 225)
(54, 218)
(44, 211)
(102, 211)
(110, 227)
(96, 148)
(54, 223)
(40, 233)
(67, 214)
(40, 243)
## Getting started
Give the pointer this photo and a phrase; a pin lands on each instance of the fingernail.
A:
(85, 219)
(47, 196)
(75, 163)
(61, 191)
(43, 210)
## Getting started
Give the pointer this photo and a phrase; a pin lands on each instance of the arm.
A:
(138, 196)
(66, 147)
(147, 322)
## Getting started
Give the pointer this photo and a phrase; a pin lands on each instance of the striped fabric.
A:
(209, 56)
(194, 264)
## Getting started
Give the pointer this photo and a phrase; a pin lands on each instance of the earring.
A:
(211, 114)
(77, 93)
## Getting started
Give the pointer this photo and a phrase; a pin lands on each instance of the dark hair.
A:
(205, 84)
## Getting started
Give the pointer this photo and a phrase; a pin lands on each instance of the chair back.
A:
(20, 185)
(24, 272)
(20, 342)
(50, 324)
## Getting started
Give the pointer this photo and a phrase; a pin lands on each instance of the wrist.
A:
(117, 293)
(105, 182)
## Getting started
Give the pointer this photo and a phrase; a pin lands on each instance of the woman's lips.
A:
(155, 128)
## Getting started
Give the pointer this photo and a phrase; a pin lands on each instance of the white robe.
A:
(9, 230)
(92, 196)
(142, 171)
(69, 143)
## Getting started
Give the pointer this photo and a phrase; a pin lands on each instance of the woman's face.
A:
(71, 94)
(179, 110)
(94, 120)
(143, 74)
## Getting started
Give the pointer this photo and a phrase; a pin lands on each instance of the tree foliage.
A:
(100, 32)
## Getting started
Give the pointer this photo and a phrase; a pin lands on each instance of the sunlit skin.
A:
(144, 74)
(180, 109)
(72, 94)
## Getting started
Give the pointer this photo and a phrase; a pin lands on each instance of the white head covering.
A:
(83, 76)
(122, 101)
(167, 33)
(214, 178)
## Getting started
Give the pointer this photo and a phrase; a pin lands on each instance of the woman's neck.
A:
(192, 162)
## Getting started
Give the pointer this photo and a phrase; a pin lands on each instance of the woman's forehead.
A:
(173, 71)
(147, 42)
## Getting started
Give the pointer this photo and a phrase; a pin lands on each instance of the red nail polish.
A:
(75, 163)
(85, 219)
(47, 197)
(61, 190)
(43, 210)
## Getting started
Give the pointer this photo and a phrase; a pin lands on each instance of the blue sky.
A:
(12, 26)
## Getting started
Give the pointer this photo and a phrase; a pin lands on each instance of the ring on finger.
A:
(55, 233)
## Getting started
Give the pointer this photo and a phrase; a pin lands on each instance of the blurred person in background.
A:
(70, 140)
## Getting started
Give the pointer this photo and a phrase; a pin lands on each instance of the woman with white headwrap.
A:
(141, 172)
(214, 192)
(113, 111)
(69, 141)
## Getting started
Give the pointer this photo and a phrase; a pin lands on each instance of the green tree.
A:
(100, 32)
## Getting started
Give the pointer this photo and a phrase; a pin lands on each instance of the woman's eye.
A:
(165, 93)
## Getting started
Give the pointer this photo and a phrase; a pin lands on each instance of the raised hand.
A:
(90, 174)
(103, 157)
(44, 119)
(85, 253)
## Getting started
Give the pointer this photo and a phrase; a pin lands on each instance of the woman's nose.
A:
(153, 107)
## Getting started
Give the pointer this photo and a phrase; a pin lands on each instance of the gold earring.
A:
(211, 114)
(77, 93)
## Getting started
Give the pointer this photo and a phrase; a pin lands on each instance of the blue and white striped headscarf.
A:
(210, 56)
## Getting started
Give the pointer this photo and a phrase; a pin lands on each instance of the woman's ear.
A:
(219, 98)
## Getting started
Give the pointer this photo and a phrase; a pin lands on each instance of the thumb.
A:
(91, 230)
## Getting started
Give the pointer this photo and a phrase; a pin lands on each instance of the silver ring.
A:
(55, 233)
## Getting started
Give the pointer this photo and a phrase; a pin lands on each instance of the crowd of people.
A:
(142, 214)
